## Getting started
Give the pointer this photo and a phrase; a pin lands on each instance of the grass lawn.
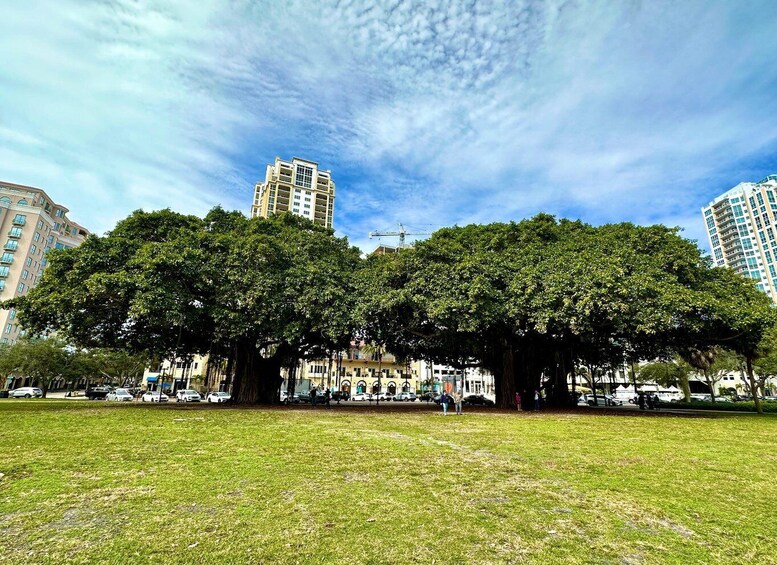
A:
(93, 482)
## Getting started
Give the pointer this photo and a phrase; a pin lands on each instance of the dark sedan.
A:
(477, 400)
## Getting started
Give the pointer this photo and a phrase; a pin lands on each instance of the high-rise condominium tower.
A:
(298, 186)
(32, 225)
(741, 226)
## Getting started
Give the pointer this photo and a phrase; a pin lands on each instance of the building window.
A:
(6, 258)
(15, 232)
(304, 176)
(40, 224)
(59, 214)
(28, 262)
(25, 274)
(20, 288)
(36, 237)
(20, 219)
(33, 249)
(8, 328)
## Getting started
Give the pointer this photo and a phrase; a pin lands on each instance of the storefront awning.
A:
(152, 378)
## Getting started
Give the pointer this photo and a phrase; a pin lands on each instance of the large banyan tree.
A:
(533, 300)
(258, 294)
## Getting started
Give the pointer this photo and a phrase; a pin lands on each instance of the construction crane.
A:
(401, 234)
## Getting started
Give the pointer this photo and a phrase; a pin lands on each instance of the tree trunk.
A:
(503, 369)
(753, 387)
(710, 384)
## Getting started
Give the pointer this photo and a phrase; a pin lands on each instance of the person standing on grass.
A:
(650, 401)
(518, 401)
(458, 399)
(327, 398)
(641, 400)
(313, 397)
(444, 403)
(536, 399)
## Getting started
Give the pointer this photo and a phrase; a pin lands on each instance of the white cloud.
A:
(427, 113)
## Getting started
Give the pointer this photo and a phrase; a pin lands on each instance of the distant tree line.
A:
(531, 301)
(50, 361)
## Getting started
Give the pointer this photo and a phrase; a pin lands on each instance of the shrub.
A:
(749, 406)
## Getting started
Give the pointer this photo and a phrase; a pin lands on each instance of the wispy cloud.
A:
(427, 113)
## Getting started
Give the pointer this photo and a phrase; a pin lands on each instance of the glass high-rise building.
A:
(742, 230)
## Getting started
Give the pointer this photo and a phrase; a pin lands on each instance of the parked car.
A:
(427, 396)
(120, 395)
(451, 403)
(187, 395)
(600, 400)
(478, 400)
(341, 395)
(385, 396)
(26, 392)
(360, 396)
(218, 397)
(405, 397)
(98, 392)
(701, 398)
(154, 396)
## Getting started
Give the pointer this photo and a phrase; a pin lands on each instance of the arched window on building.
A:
(22, 202)
(345, 386)
(5, 201)
(392, 387)
(361, 386)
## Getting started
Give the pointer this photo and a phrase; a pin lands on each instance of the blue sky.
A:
(428, 113)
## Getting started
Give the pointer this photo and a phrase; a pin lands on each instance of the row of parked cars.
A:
(128, 395)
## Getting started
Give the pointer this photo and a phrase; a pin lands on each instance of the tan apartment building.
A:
(297, 186)
(32, 225)
(357, 370)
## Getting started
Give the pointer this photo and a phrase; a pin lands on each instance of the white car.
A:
(187, 395)
(360, 396)
(154, 396)
(218, 397)
(600, 400)
(26, 392)
(120, 395)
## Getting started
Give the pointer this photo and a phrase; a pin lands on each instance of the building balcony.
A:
(11, 246)
(6, 260)
(19, 221)
(15, 232)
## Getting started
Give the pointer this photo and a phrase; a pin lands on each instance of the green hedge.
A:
(749, 406)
